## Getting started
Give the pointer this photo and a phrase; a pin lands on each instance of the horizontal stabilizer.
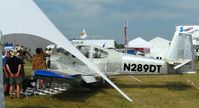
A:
(89, 79)
(182, 64)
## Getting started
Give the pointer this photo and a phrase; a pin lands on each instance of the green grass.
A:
(156, 91)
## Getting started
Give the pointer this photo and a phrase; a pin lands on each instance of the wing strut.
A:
(113, 85)
(92, 66)
(120, 91)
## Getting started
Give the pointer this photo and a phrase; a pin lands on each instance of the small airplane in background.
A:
(180, 60)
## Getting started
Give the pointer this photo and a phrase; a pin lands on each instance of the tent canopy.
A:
(139, 43)
(22, 22)
(19, 17)
(160, 47)
(25, 17)
(28, 41)
(160, 42)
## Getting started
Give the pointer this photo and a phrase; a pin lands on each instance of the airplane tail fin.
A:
(180, 54)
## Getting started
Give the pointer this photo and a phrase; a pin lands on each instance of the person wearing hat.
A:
(6, 80)
(13, 66)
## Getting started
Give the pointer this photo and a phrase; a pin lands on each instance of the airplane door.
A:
(107, 62)
(99, 57)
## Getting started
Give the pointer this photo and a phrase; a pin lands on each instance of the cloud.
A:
(118, 9)
(107, 16)
(86, 8)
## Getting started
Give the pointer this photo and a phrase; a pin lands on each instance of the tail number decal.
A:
(141, 68)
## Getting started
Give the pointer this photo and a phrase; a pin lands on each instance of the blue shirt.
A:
(5, 59)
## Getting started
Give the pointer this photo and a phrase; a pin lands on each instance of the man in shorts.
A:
(6, 80)
(13, 66)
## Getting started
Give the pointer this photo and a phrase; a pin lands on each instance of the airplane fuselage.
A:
(112, 62)
(120, 63)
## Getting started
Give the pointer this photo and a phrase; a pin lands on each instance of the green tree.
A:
(118, 45)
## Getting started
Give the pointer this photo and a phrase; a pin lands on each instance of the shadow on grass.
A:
(178, 86)
(78, 94)
(82, 93)
(34, 106)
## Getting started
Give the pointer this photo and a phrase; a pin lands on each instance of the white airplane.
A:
(24, 21)
(180, 60)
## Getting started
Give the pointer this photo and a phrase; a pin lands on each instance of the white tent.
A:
(160, 47)
(161, 42)
(25, 17)
(139, 43)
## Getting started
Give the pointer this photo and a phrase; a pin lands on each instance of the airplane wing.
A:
(64, 74)
(53, 74)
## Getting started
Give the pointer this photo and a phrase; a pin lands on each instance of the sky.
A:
(104, 19)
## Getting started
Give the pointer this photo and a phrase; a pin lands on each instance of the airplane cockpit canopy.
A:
(92, 52)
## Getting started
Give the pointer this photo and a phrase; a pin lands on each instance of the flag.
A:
(125, 33)
(83, 34)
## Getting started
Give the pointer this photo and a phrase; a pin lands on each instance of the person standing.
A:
(39, 62)
(5, 72)
(22, 56)
(13, 66)
(49, 52)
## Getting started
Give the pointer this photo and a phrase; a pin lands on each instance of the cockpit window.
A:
(63, 51)
(98, 53)
(85, 50)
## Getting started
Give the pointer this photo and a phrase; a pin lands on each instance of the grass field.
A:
(156, 91)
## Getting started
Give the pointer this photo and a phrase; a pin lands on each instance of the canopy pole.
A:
(13, 43)
(2, 104)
